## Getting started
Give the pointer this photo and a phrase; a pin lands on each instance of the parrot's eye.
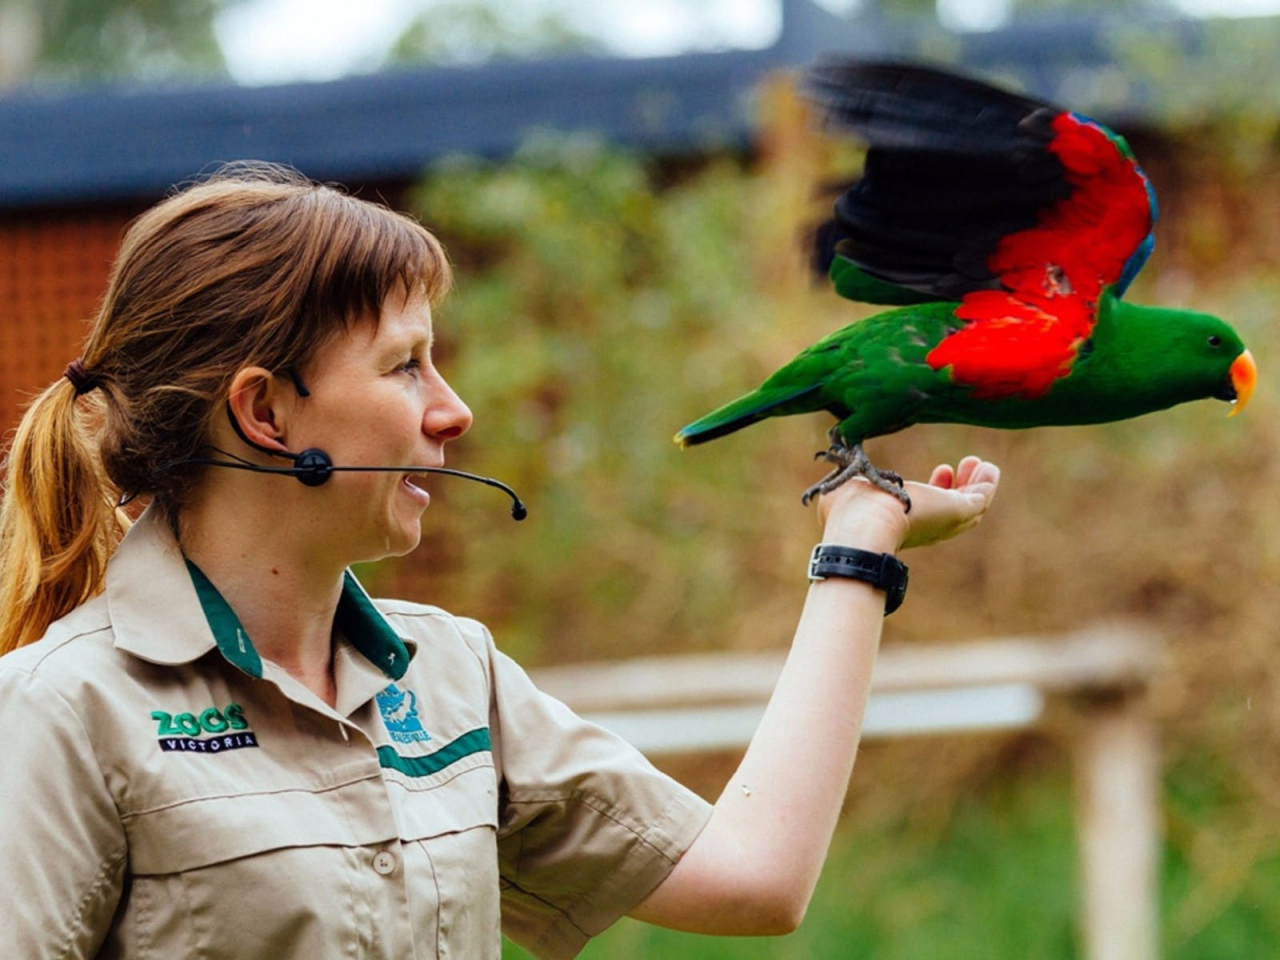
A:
(1215, 341)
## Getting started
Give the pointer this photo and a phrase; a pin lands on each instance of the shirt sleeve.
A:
(60, 835)
(587, 827)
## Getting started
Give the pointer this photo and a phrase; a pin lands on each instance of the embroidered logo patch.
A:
(210, 731)
(399, 709)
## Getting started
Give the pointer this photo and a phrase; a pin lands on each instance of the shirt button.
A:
(385, 863)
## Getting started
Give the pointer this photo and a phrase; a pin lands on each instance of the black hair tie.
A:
(80, 378)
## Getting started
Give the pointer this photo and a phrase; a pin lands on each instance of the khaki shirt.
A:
(168, 793)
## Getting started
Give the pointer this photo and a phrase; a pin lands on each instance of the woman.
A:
(219, 746)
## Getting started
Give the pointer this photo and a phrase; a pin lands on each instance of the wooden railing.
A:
(698, 703)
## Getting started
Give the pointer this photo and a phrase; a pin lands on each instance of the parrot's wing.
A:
(971, 188)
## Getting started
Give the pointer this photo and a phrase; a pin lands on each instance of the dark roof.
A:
(119, 142)
(107, 143)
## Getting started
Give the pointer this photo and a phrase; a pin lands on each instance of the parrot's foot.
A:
(852, 462)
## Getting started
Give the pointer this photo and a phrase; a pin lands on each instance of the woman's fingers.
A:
(941, 510)
(966, 469)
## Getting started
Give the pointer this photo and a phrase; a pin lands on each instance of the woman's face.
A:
(376, 399)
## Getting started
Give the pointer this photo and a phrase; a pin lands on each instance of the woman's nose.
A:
(447, 417)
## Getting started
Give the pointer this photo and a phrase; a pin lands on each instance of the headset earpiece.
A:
(313, 467)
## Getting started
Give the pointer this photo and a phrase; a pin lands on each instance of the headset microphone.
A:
(313, 467)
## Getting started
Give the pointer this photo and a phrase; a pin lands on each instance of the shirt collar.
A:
(165, 610)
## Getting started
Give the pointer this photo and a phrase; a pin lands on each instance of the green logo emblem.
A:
(187, 731)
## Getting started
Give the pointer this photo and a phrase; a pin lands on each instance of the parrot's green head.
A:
(1182, 355)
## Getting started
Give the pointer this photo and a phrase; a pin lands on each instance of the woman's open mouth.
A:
(411, 484)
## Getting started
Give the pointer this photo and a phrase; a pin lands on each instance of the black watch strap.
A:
(882, 570)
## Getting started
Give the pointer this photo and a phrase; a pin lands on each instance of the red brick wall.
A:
(53, 272)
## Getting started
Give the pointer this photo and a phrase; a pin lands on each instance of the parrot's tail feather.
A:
(742, 412)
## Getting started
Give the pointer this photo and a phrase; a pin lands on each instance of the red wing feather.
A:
(1089, 235)
(1019, 340)
(1014, 346)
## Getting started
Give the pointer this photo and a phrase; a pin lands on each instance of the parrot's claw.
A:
(852, 462)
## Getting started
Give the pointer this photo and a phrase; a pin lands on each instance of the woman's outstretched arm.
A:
(755, 865)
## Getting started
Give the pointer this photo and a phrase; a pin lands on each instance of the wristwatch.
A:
(883, 571)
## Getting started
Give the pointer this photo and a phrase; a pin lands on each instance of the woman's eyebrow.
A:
(409, 339)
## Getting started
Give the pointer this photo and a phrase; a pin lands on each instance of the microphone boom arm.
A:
(313, 468)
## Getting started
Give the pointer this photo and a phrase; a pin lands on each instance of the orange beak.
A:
(1244, 377)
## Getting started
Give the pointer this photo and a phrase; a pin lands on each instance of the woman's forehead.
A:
(404, 318)
(403, 325)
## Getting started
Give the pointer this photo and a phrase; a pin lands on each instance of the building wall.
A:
(53, 271)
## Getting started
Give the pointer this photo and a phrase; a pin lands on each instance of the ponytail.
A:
(58, 520)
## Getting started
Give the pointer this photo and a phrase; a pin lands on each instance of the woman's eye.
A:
(411, 365)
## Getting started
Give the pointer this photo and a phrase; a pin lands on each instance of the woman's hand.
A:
(856, 514)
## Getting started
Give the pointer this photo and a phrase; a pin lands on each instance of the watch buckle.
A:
(813, 563)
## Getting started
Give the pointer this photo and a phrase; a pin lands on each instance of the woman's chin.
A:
(399, 537)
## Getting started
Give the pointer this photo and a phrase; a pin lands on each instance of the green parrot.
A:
(1004, 231)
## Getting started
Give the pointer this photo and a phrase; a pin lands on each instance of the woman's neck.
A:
(284, 598)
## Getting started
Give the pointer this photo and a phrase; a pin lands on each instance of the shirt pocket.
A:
(450, 848)
(291, 873)
(458, 873)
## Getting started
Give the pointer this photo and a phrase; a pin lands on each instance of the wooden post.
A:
(1117, 779)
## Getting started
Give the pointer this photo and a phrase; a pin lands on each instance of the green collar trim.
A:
(358, 619)
(368, 631)
(228, 633)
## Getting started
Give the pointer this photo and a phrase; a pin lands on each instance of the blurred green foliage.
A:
(1210, 81)
(468, 31)
(76, 40)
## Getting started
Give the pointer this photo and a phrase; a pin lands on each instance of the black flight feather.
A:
(953, 165)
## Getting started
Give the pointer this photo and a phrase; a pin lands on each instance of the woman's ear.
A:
(260, 406)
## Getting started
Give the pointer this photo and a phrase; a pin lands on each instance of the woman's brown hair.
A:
(255, 265)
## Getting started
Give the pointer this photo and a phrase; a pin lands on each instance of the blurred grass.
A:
(603, 301)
